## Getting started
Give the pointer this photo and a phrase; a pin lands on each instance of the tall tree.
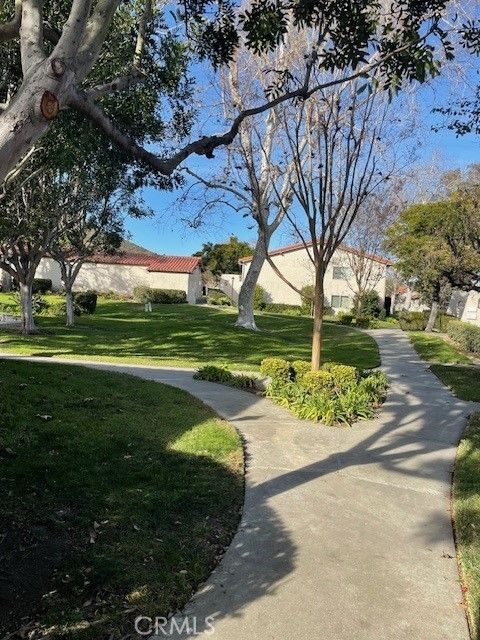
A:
(61, 47)
(437, 246)
(341, 144)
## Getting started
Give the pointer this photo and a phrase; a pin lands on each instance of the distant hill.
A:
(131, 247)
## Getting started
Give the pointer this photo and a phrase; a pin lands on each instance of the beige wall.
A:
(298, 269)
(466, 306)
(123, 278)
(230, 284)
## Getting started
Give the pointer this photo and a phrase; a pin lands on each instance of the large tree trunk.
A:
(433, 316)
(43, 92)
(246, 319)
(70, 307)
(318, 306)
(28, 322)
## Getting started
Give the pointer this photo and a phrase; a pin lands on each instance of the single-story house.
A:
(340, 285)
(126, 270)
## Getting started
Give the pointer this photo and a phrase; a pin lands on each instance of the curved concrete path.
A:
(346, 533)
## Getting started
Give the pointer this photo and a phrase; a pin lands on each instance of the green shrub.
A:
(86, 300)
(337, 394)
(328, 311)
(41, 285)
(284, 309)
(368, 304)
(317, 381)
(362, 322)
(259, 296)
(343, 375)
(300, 368)
(412, 320)
(212, 373)
(114, 295)
(159, 296)
(275, 368)
(345, 318)
(222, 301)
(466, 335)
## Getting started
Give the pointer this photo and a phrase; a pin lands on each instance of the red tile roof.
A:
(153, 262)
(300, 245)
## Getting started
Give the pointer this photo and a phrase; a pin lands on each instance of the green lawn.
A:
(187, 335)
(434, 348)
(117, 496)
(466, 509)
(463, 381)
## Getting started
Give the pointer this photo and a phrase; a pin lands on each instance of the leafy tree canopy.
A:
(223, 257)
(438, 244)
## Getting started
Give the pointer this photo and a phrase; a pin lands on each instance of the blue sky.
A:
(166, 233)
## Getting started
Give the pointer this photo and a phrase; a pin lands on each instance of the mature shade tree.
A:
(255, 180)
(60, 47)
(437, 246)
(223, 257)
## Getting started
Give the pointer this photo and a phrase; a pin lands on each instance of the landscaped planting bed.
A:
(336, 394)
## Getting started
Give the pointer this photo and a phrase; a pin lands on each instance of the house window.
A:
(342, 273)
(341, 302)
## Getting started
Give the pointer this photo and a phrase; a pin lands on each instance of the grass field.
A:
(187, 335)
(117, 496)
(466, 509)
(463, 381)
(434, 348)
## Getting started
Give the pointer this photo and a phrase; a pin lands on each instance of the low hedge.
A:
(41, 285)
(283, 309)
(466, 335)
(412, 320)
(159, 296)
(211, 373)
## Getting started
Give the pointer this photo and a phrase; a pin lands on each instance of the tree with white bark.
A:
(29, 222)
(60, 52)
(91, 222)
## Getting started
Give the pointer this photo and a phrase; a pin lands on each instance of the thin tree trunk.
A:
(70, 307)
(318, 306)
(246, 318)
(28, 322)
(433, 316)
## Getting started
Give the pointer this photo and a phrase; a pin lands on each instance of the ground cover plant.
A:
(336, 394)
(186, 335)
(466, 511)
(117, 496)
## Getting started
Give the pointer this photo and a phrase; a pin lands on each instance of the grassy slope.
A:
(466, 503)
(155, 469)
(186, 335)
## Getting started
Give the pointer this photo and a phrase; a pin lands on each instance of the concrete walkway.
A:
(346, 533)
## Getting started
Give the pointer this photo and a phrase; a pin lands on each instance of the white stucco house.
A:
(126, 270)
(340, 285)
(464, 305)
